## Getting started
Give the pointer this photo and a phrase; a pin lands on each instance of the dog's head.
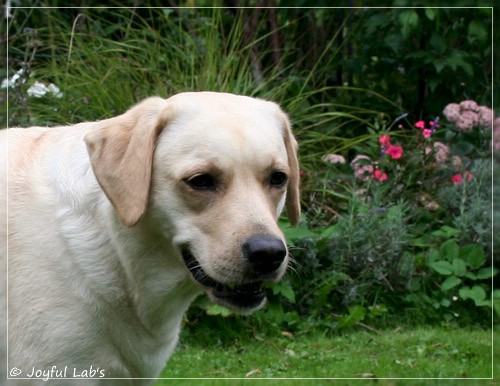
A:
(215, 171)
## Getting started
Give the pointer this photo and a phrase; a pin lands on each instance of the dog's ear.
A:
(293, 191)
(121, 154)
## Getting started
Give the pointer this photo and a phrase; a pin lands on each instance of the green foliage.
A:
(415, 244)
(428, 47)
(460, 275)
(370, 251)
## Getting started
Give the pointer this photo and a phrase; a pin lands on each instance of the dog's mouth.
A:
(242, 298)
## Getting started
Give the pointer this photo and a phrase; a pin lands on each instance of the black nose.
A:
(264, 252)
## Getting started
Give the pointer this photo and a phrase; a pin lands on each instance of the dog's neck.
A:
(159, 284)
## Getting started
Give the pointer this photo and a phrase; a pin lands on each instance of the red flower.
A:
(420, 125)
(394, 151)
(427, 133)
(458, 179)
(380, 175)
(385, 140)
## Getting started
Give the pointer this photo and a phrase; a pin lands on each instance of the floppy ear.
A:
(121, 153)
(293, 190)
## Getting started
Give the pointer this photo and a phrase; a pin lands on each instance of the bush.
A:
(397, 218)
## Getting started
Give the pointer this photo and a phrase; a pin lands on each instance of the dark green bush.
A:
(402, 243)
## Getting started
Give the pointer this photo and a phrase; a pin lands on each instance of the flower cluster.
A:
(428, 131)
(459, 178)
(468, 114)
(440, 150)
(431, 155)
(334, 159)
(365, 169)
(388, 148)
(37, 89)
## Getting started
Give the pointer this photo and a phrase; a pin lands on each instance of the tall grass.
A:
(106, 60)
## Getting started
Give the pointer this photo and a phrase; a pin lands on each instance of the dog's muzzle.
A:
(264, 256)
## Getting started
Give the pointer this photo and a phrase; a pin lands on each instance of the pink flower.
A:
(363, 168)
(420, 125)
(394, 151)
(467, 121)
(427, 133)
(485, 116)
(380, 175)
(452, 112)
(468, 114)
(469, 105)
(456, 162)
(441, 152)
(434, 125)
(360, 160)
(364, 172)
(385, 140)
(334, 159)
(458, 179)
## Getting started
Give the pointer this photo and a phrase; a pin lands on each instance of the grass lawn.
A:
(426, 352)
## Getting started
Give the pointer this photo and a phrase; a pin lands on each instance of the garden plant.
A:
(393, 111)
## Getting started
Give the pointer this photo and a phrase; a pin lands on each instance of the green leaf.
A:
(328, 232)
(439, 65)
(285, 289)
(415, 284)
(442, 267)
(434, 255)
(408, 20)
(445, 302)
(456, 59)
(295, 233)
(459, 267)
(446, 232)
(215, 309)
(464, 148)
(450, 282)
(438, 43)
(478, 30)
(430, 13)
(377, 310)
(356, 314)
(449, 250)
(473, 255)
(476, 293)
(422, 242)
(486, 273)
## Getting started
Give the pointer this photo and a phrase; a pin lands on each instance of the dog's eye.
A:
(278, 179)
(202, 182)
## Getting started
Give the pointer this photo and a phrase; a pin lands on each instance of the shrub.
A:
(385, 200)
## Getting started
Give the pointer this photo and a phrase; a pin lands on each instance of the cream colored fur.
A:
(98, 214)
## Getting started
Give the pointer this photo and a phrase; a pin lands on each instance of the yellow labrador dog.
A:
(115, 226)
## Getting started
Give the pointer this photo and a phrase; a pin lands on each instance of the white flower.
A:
(334, 159)
(39, 90)
(12, 81)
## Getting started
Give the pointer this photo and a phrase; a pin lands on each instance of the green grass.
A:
(424, 352)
